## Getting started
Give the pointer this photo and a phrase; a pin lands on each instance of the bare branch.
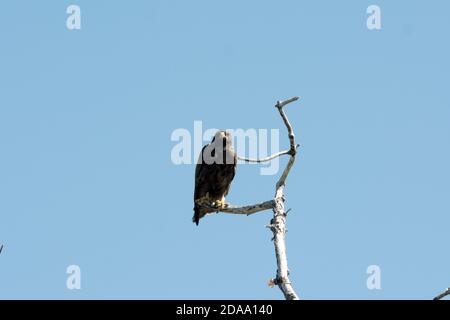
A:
(443, 294)
(282, 103)
(278, 223)
(247, 210)
(276, 155)
(293, 150)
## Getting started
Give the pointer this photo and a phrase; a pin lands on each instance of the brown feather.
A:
(213, 179)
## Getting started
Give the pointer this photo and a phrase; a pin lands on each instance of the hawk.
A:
(214, 172)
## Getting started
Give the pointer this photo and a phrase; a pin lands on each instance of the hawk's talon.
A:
(221, 204)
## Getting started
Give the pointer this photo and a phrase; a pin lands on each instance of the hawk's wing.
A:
(202, 185)
(201, 170)
(214, 179)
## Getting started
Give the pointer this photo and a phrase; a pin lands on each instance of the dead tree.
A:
(278, 222)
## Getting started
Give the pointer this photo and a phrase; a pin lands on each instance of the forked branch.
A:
(278, 223)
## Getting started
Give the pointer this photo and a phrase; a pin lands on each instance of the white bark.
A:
(278, 223)
(247, 210)
(276, 155)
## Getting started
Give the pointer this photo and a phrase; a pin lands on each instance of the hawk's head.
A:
(224, 137)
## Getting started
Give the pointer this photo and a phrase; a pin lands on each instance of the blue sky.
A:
(86, 176)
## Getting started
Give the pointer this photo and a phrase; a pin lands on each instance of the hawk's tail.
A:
(196, 217)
